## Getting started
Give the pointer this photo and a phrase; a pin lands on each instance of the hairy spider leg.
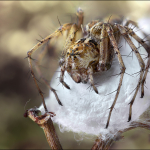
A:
(91, 80)
(56, 34)
(147, 48)
(40, 57)
(70, 40)
(106, 52)
(80, 17)
(122, 67)
(125, 33)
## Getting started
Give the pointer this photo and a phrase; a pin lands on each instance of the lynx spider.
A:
(94, 53)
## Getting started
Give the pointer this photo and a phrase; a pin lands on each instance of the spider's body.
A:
(94, 52)
(89, 54)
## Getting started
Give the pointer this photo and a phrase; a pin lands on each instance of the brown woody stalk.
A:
(45, 122)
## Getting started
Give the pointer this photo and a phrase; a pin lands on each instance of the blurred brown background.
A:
(21, 23)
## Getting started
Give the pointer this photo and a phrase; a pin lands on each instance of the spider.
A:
(94, 52)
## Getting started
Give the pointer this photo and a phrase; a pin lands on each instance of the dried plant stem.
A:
(51, 135)
(45, 122)
(101, 144)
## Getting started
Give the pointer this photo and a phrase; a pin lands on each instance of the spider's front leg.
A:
(90, 73)
(62, 78)
(70, 41)
(56, 34)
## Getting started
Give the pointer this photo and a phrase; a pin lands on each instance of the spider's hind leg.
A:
(124, 32)
(147, 48)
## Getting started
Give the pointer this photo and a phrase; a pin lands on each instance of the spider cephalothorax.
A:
(80, 58)
(94, 52)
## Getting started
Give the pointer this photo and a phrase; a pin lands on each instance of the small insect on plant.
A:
(94, 52)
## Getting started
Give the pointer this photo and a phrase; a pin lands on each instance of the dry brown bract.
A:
(94, 52)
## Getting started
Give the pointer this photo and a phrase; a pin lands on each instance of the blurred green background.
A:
(21, 23)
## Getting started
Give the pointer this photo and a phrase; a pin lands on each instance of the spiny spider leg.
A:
(122, 67)
(80, 17)
(61, 79)
(124, 33)
(103, 49)
(47, 83)
(70, 40)
(90, 71)
(136, 25)
(56, 34)
(147, 48)
(132, 23)
(40, 57)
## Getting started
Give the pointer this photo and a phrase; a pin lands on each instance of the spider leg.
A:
(132, 23)
(103, 49)
(136, 25)
(80, 16)
(124, 33)
(90, 72)
(70, 40)
(46, 82)
(56, 34)
(106, 51)
(62, 77)
(122, 67)
(147, 48)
